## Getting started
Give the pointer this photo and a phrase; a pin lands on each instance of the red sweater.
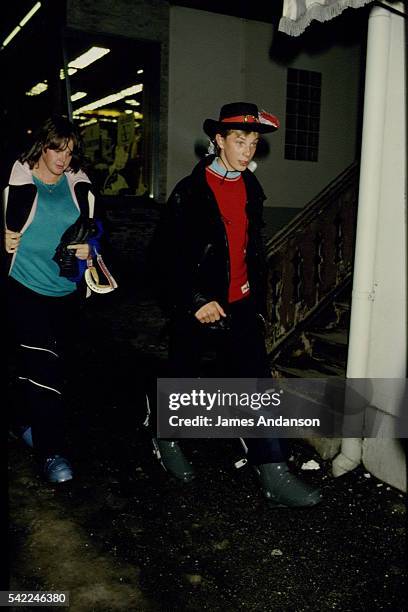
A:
(230, 194)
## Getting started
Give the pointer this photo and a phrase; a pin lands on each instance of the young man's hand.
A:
(11, 241)
(209, 313)
(81, 250)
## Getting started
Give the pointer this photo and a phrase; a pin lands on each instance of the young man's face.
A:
(53, 162)
(237, 149)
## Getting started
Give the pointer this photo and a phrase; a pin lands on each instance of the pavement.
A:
(124, 535)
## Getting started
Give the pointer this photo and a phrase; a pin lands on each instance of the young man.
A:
(215, 283)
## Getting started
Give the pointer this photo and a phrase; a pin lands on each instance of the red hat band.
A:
(240, 119)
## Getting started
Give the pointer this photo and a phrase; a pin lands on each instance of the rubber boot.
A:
(283, 489)
(173, 460)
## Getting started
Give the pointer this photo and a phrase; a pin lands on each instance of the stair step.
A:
(343, 305)
(329, 346)
(333, 337)
(318, 372)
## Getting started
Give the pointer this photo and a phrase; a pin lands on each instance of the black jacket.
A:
(190, 249)
(20, 198)
(20, 203)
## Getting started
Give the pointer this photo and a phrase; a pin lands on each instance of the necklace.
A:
(50, 187)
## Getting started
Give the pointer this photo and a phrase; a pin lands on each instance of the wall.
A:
(215, 59)
(206, 57)
(294, 183)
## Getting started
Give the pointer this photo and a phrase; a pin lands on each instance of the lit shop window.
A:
(112, 89)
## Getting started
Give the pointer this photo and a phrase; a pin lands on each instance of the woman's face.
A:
(54, 162)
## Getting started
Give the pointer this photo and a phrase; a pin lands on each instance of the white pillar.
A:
(377, 342)
(375, 96)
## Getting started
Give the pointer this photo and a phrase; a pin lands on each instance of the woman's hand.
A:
(209, 313)
(11, 241)
(81, 250)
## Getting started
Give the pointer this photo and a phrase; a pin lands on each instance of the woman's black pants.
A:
(40, 327)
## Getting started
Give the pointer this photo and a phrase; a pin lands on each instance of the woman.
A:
(47, 192)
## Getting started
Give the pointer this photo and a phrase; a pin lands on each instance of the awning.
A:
(297, 14)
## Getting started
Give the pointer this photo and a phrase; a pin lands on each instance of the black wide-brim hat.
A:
(241, 116)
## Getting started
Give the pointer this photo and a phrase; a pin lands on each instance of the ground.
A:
(126, 536)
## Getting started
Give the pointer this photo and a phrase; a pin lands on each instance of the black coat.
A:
(190, 249)
(20, 203)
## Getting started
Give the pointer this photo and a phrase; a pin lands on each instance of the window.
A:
(113, 98)
(303, 92)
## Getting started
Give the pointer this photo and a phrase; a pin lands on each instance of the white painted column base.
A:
(349, 457)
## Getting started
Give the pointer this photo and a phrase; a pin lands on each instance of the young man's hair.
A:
(55, 134)
(223, 132)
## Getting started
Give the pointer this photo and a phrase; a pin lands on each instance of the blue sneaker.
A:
(26, 436)
(22, 432)
(57, 469)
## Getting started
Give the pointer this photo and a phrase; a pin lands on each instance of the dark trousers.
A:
(40, 327)
(240, 353)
